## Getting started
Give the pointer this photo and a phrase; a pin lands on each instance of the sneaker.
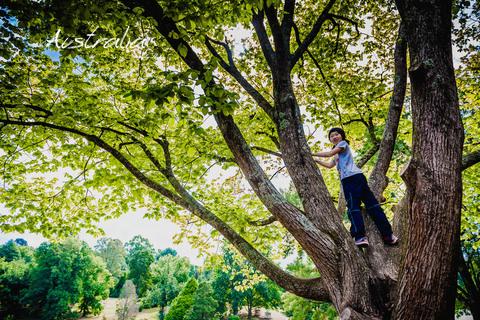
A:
(391, 240)
(362, 242)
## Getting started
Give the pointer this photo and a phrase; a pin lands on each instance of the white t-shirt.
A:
(344, 160)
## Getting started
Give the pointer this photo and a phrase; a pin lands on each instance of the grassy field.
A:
(110, 306)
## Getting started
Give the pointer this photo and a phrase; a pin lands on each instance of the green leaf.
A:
(182, 50)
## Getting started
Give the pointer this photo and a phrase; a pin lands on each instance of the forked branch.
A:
(237, 75)
(312, 34)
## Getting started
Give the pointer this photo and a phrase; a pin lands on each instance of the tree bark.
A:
(378, 178)
(355, 276)
(427, 280)
(382, 258)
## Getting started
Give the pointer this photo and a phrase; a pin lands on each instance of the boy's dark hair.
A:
(340, 132)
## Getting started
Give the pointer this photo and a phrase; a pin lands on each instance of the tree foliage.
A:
(66, 274)
(169, 274)
(113, 253)
(183, 302)
(140, 255)
(13, 281)
(204, 305)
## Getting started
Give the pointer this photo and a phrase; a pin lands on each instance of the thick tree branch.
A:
(378, 180)
(236, 74)
(258, 24)
(470, 159)
(262, 223)
(274, 153)
(334, 98)
(287, 21)
(312, 34)
(278, 39)
(368, 155)
(281, 35)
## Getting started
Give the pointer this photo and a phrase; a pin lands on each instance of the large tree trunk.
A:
(427, 280)
(382, 259)
(351, 284)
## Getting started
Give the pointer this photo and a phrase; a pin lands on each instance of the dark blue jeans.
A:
(356, 190)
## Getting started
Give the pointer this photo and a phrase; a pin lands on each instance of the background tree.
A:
(96, 283)
(14, 275)
(263, 294)
(469, 276)
(115, 291)
(66, 274)
(236, 283)
(165, 252)
(127, 306)
(15, 250)
(183, 302)
(227, 275)
(114, 254)
(299, 308)
(140, 255)
(204, 305)
(222, 285)
(169, 274)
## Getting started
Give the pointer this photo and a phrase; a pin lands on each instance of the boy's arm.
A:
(330, 153)
(326, 164)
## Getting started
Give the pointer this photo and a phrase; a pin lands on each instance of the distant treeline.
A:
(68, 279)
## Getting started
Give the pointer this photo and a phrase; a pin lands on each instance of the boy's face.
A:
(335, 137)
